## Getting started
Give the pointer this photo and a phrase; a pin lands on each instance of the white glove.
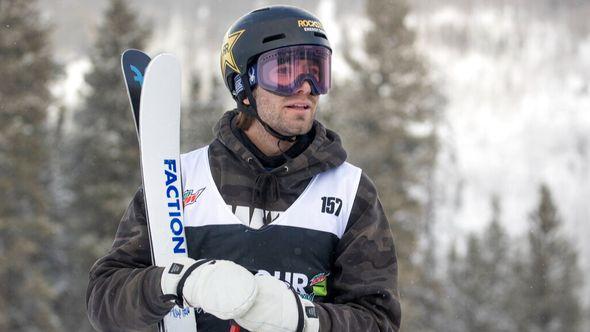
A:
(221, 288)
(276, 309)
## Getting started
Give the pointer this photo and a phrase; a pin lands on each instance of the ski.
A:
(133, 65)
(159, 142)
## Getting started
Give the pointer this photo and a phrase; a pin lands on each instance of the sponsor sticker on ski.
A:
(174, 207)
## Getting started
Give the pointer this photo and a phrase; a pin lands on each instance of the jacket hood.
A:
(323, 153)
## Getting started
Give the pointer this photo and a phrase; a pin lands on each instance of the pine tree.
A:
(551, 269)
(480, 283)
(386, 115)
(431, 302)
(455, 300)
(517, 303)
(466, 293)
(495, 275)
(27, 233)
(103, 157)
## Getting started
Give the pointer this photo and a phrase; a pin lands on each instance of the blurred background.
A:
(472, 117)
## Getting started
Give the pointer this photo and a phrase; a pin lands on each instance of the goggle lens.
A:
(284, 70)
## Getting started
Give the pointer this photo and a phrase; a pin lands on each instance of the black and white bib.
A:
(297, 247)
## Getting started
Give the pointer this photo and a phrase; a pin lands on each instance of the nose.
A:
(304, 88)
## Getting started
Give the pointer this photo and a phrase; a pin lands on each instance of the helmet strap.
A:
(251, 110)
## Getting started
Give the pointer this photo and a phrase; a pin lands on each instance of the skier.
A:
(282, 233)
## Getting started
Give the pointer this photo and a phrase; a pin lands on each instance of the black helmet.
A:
(263, 30)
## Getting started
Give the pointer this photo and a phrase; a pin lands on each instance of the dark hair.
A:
(244, 121)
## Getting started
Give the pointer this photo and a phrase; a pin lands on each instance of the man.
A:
(282, 233)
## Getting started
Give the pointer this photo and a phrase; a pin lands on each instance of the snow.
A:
(69, 89)
(517, 116)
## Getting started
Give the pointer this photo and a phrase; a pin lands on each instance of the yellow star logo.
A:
(227, 56)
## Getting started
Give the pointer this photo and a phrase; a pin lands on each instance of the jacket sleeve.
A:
(124, 289)
(364, 276)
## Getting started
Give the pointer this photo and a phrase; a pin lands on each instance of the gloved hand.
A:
(278, 308)
(221, 288)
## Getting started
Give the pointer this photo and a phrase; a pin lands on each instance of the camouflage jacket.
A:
(124, 289)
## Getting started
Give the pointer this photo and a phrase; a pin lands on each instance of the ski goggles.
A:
(283, 70)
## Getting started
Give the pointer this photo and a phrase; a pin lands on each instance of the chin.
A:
(303, 130)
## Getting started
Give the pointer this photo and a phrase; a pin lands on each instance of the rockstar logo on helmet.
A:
(227, 56)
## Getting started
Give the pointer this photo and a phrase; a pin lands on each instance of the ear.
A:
(246, 101)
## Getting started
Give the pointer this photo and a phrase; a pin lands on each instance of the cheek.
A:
(268, 108)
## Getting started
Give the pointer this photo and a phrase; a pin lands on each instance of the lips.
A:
(300, 105)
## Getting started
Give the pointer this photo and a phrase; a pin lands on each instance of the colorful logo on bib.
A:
(190, 196)
(319, 284)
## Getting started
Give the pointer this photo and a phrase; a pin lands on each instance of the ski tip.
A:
(133, 63)
(166, 57)
(165, 62)
(132, 50)
(132, 53)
